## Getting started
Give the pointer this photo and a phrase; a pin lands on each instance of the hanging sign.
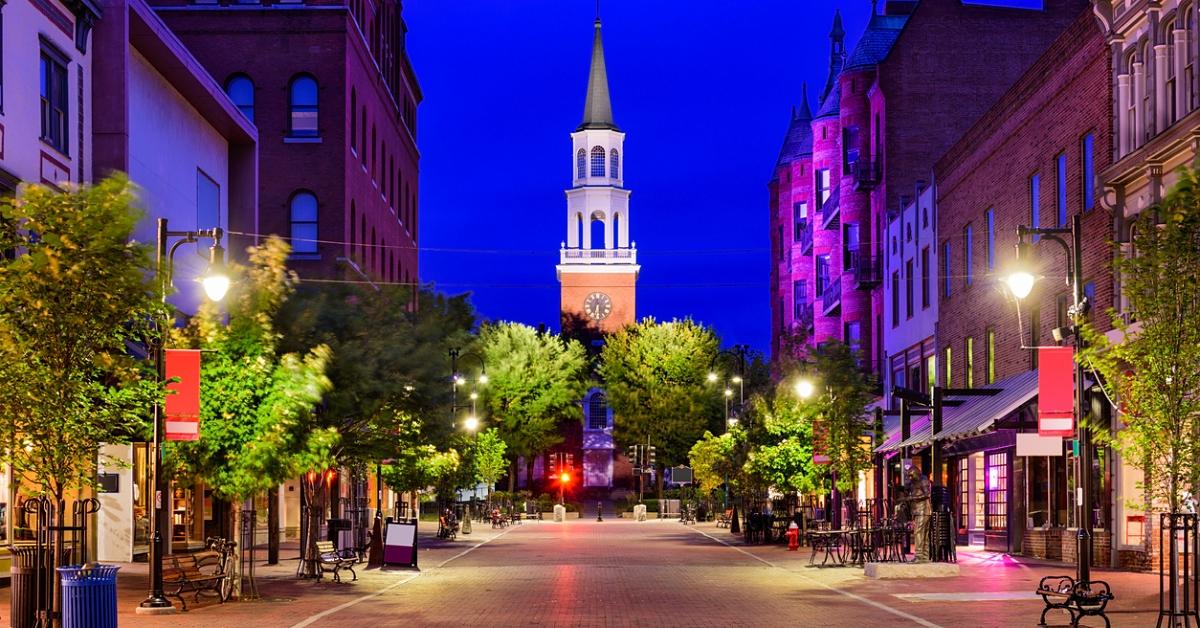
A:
(181, 409)
(820, 442)
(1056, 391)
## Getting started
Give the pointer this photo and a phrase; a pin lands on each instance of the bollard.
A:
(599, 511)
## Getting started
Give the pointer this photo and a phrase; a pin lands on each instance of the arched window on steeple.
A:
(614, 163)
(581, 163)
(616, 229)
(579, 229)
(598, 241)
(598, 412)
(598, 161)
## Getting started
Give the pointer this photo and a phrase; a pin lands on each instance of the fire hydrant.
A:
(793, 536)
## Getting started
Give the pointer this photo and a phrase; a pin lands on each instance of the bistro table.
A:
(829, 541)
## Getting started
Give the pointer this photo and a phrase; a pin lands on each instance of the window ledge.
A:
(56, 149)
(305, 256)
(291, 139)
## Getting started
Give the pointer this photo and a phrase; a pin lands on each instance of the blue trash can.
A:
(89, 596)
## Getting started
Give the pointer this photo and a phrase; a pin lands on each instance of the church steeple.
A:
(597, 110)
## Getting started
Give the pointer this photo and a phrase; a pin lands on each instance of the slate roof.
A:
(798, 141)
(875, 43)
(832, 102)
(597, 110)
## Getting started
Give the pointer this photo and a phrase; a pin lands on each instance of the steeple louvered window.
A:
(614, 163)
(581, 163)
(598, 161)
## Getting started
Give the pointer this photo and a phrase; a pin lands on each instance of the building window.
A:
(949, 355)
(946, 278)
(1135, 530)
(362, 138)
(824, 187)
(930, 373)
(997, 491)
(304, 224)
(54, 98)
(1088, 159)
(991, 239)
(208, 201)
(799, 298)
(240, 89)
(597, 412)
(581, 163)
(968, 257)
(822, 274)
(850, 247)
(614, 162)
(1, 58)
(598, 161)
(1035, 183)
(925, 276)
(799, 220)
(895, 298)
(990, 350)
(1089, 292)
(1061, 315)
(853, 335)
(353, 121)
(908, 289)
(964, 492)
(302, 106)
(969, 355)
(1060, 188)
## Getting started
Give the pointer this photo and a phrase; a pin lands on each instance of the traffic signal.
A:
(570, 461)
(565, 477)
(553, 464)
(633, 455)
(650, 456)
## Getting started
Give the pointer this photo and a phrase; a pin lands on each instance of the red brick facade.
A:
(1060, 100)
(362, 164)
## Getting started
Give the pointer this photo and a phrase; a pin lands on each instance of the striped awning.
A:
(975, 416)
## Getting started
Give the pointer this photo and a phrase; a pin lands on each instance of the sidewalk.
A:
(284, 600)
(984, 577)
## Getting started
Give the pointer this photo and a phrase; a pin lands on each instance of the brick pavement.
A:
(623, 573)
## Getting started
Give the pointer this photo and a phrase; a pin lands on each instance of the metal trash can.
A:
(89, 596)
(27, 596)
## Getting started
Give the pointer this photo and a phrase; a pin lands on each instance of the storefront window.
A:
(141, 497)
(980, 495)
(964, 492)
(997, 491)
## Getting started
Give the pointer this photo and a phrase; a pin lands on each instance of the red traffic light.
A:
(566, 477)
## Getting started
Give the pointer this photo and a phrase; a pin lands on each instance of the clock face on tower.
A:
(597, 306)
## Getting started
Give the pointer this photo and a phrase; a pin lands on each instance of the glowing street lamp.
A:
(804, 388)
(471, 423)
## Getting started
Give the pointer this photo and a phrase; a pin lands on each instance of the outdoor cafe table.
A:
(829, 541)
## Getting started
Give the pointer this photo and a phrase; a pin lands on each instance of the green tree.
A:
(258, 426)
(535, 383)
(785, 459)
(76, 296)
(840, 406)
(489, 458)
(655, 375)
(712, 459)
(1152, 369)
(418, 467)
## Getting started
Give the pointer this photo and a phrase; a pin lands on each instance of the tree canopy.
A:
(71, 304)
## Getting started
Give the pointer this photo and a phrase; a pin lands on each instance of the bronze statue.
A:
(917, 497)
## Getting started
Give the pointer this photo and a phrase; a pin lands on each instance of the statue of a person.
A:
(917, 494)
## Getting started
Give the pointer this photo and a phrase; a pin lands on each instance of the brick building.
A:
(918, 65)
(330, 88)
(1032, 159)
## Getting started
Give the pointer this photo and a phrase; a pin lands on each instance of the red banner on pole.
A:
(182, 406)
(1056, 391)
(820, 442)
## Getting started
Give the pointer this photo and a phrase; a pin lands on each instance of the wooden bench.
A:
(195, 573)
(724, 519)
(1079, 599)
(329, 556)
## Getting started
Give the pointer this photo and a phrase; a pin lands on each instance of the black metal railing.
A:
(866, 268)
(829, 211)
(865, 173)
(831, 298)
(804, 234)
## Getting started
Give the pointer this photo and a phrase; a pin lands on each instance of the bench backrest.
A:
(325, 547)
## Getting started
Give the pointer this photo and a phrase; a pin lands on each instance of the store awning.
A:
(974, 416)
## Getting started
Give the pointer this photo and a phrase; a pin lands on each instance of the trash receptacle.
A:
(89, 596)
(27, 596)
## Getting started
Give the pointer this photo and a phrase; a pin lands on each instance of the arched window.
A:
(362, 138)
(581, 163)
(353, 122)
(240, 89)
(302, 106)
(579, 229)
(598, 241)
(598, 161)
(304, 222)
(614, 162)
(362, 238)
(616, 229)
(1168, 77)
(598, 412)
(353, 221)
(1189, 62)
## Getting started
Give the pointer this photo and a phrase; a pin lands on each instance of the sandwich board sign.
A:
(400, 543)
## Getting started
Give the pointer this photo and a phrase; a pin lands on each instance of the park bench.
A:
(331, 557)
(1079, 599)
(200, 572)
(724, 519)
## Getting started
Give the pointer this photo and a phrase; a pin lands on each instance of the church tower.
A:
(597, 264)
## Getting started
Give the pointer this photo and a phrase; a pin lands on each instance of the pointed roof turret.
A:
(597, 110)
(798, 141)
(837, 33)
(837, 56)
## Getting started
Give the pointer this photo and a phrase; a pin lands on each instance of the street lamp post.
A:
(1021, 282)
(471, 423)
(738, 353)
(216, 284)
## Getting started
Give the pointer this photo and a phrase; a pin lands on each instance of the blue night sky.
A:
(703, 90)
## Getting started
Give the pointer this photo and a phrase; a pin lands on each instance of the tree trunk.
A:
(512, 477)
(235, 565)
(273, 526)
